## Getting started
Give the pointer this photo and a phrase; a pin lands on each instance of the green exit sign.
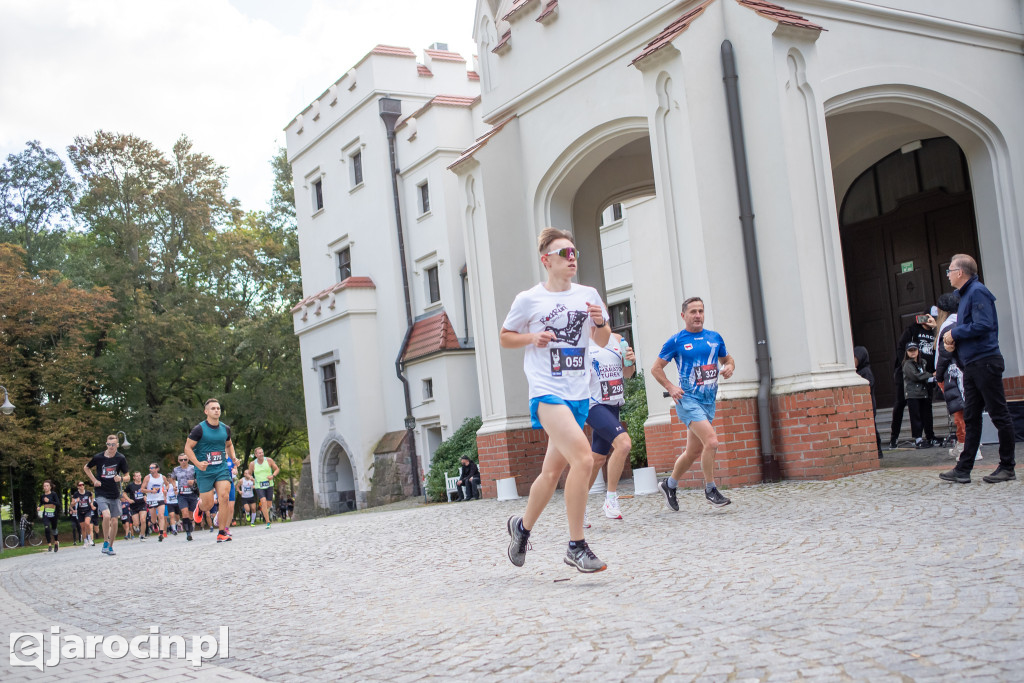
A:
(907, 267)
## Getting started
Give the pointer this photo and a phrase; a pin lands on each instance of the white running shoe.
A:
(586, 519)
(611, 508)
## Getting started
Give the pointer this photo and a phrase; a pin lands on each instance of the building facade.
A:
(352, 324)
(881, 138)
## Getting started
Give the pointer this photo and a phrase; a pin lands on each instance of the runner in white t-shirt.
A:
(554, 322)
(610, 366)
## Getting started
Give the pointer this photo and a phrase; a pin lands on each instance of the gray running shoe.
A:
(519, 544)
(670, 496)
(584, 559)
(716, 498)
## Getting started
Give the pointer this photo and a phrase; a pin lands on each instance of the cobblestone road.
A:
(892, 575)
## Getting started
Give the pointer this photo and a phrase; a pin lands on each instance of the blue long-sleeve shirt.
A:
(977, 326)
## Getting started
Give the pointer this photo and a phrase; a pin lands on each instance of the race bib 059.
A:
(568, 362)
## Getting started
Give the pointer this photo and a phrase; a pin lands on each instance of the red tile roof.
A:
(423, 71)
(480, 142)
(779, 14)
(548, 9)
(473, 76)
(503, 42)
(441, 101)
(430, 335)
(672, 31)
(445, 55)
(766, 9)
(393, 51)
(348, 283)
(517, 5)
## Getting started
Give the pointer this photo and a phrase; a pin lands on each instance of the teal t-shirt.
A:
(211, 444)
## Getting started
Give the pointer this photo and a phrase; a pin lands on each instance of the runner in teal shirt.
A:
(208, 447)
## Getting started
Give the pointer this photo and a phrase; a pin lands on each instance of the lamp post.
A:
(126, 444)
(7, 409)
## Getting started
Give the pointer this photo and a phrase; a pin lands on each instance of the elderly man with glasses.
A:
(975, 342)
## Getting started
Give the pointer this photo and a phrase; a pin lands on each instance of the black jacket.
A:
(948, 372)
(860, 353)
(925, 340)
(469, 472)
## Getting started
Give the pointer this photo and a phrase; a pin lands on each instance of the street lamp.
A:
(125, 443)
(7, 409)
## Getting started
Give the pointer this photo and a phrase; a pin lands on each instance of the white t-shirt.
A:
(156, 481)
(561, 368)
(606, 385)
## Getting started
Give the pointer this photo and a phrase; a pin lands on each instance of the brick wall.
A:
(1014, 387)
(822, 434)
(517, 453)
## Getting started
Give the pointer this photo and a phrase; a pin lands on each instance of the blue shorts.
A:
(689, 411)
(606, 426)
(579, 409)
(231, 496)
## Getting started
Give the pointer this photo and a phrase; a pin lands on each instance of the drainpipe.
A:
(464, 273)
(769, 465)
(390, 110)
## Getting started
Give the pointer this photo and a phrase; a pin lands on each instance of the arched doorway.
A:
(900, 221)
(337, 480)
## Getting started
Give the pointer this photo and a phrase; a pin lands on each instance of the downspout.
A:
(390, 110)
(769, 465)
(464, 273)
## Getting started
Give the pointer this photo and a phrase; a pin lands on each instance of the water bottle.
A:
(623, 347)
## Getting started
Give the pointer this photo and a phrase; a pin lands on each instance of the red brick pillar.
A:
(1014, 388)
(518, 453)
(822, 434)
(515, 453)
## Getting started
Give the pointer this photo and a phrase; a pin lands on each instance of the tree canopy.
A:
(131, 289)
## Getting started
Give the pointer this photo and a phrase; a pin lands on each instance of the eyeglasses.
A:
(566, 253)
(952, 270)
(153, 468)
(80, 484)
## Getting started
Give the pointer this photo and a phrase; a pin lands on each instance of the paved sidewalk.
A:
(892, 575)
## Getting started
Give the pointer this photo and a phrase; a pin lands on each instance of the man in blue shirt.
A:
(698, 353)
(975, 340)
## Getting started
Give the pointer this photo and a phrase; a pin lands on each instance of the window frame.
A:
(432, 287)
(347, 250)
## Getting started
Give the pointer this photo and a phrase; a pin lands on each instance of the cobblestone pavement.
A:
(892, 575)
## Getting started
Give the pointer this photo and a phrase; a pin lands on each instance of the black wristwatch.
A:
(601, 325)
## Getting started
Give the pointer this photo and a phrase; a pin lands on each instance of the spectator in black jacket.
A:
(947, 373)
(916, 382)
(922, 333)
(860, 353)
(469, 479)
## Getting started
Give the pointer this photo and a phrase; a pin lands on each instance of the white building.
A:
(352, 322)
(882, 137)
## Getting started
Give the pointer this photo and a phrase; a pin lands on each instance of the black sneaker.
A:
(670, 496)
(188, 536)
(956, 476)
(892, 445)
(519, 544)
(584, 559)
(716, 498)
(999, 475)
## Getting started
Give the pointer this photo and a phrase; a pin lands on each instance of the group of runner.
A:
(201, 488)
(576, 369)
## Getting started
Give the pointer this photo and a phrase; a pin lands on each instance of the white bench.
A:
(451, 485)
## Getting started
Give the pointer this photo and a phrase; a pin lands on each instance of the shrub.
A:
(634, 414)
(449, 453)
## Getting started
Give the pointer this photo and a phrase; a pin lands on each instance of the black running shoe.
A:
(716, 498)
(1000, 474)
(670, 496)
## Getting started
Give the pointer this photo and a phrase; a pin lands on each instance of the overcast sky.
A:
(228, 73)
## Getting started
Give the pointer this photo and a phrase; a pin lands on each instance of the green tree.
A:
(447, 456)
(36, 197)
(49, 331)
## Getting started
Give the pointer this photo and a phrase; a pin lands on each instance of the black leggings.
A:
(50, 523)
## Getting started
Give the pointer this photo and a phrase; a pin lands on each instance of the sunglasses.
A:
(566, 252)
